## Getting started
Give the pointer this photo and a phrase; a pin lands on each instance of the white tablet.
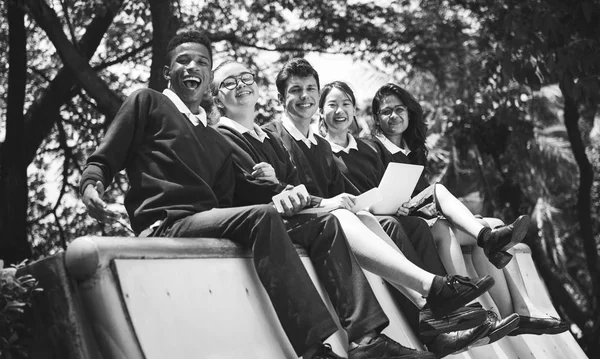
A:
(396, 187)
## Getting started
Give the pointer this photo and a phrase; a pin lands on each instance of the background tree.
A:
(476, 66)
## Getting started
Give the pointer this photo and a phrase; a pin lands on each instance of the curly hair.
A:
(416, 132)
(193, 36)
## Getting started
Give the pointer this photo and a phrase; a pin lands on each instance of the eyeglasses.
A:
(387, 112)
(231, 82)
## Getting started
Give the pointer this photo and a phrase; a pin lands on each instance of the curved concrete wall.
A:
(175, 298)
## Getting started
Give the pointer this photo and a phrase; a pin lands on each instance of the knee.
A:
(441, 233)
(330, 224)
(264, 211)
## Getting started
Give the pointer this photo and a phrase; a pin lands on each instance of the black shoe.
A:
(529, 325)
(456, 342)
(460, 319)
(455, 292)
(499, 328)
(502, 239)
(384, 347)
(324, 352)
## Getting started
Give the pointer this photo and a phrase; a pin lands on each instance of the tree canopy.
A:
(510, 89)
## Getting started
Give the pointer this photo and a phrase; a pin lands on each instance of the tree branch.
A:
(44, 112)
(124, 57)
(108, 101)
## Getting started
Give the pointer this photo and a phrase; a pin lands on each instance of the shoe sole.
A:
(484, 284)
(533, 331)
(453, 322)
(520, 228)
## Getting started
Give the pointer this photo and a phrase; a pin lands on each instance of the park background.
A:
(510, 89)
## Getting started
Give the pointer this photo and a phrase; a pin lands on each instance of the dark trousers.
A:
(413, 236)
(301, 312)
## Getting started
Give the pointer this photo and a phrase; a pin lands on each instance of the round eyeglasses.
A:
(387, 112)
(231, 82)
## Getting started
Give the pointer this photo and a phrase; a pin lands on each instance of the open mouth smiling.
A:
(192, 82)
(243, 93)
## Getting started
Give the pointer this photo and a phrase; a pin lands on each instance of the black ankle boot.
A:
(497, 241)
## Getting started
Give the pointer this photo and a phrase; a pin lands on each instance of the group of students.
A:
(190, 179)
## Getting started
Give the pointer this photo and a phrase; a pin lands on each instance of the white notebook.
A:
(396, 187)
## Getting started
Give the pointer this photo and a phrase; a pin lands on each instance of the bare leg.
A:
(373, 224)
(453, 209)
(374, 255)
(520, 297)
(448, 247)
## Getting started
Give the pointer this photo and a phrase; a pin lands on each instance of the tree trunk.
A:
(14, 246)
(165, 26)
(586, 177)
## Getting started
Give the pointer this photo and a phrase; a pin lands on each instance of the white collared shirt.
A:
(352, 145)
(194, 119)
(296, 134)
(258, 132)
(390, 146)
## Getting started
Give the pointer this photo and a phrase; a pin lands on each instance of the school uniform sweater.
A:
(247, 152)
(175, 169)
(316, 167)
(399, 157)
(361, 166)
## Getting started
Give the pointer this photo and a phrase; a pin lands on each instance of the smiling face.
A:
(243, 96)
(396, 122)
(338, 111)
(301, 98)
(189, 73)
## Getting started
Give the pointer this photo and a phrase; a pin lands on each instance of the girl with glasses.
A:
(399, 122)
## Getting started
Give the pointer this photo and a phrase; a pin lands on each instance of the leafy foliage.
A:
(16, 294)
(495, 79)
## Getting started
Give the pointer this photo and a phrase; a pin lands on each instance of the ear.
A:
(167, 72)
(281, 99)
(218, 102)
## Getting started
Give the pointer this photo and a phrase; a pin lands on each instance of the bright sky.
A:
(363, 78)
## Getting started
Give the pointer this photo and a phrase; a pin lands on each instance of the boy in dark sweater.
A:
(235, 94)
(298, 86)
(182, 185)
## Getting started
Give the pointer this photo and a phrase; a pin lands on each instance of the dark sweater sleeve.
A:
(225, 184)
(248, 190)
(120, 141)
(291, 172)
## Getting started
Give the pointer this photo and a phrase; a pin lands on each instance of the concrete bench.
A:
(175, 298)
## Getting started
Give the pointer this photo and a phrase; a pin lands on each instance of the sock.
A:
(483, 236)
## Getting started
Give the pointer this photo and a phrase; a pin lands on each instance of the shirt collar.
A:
(258, 133)
(352, 145)
(194, 119)
(296, 134)
(390, 146)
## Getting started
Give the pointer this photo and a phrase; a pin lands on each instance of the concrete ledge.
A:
(110, 297)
